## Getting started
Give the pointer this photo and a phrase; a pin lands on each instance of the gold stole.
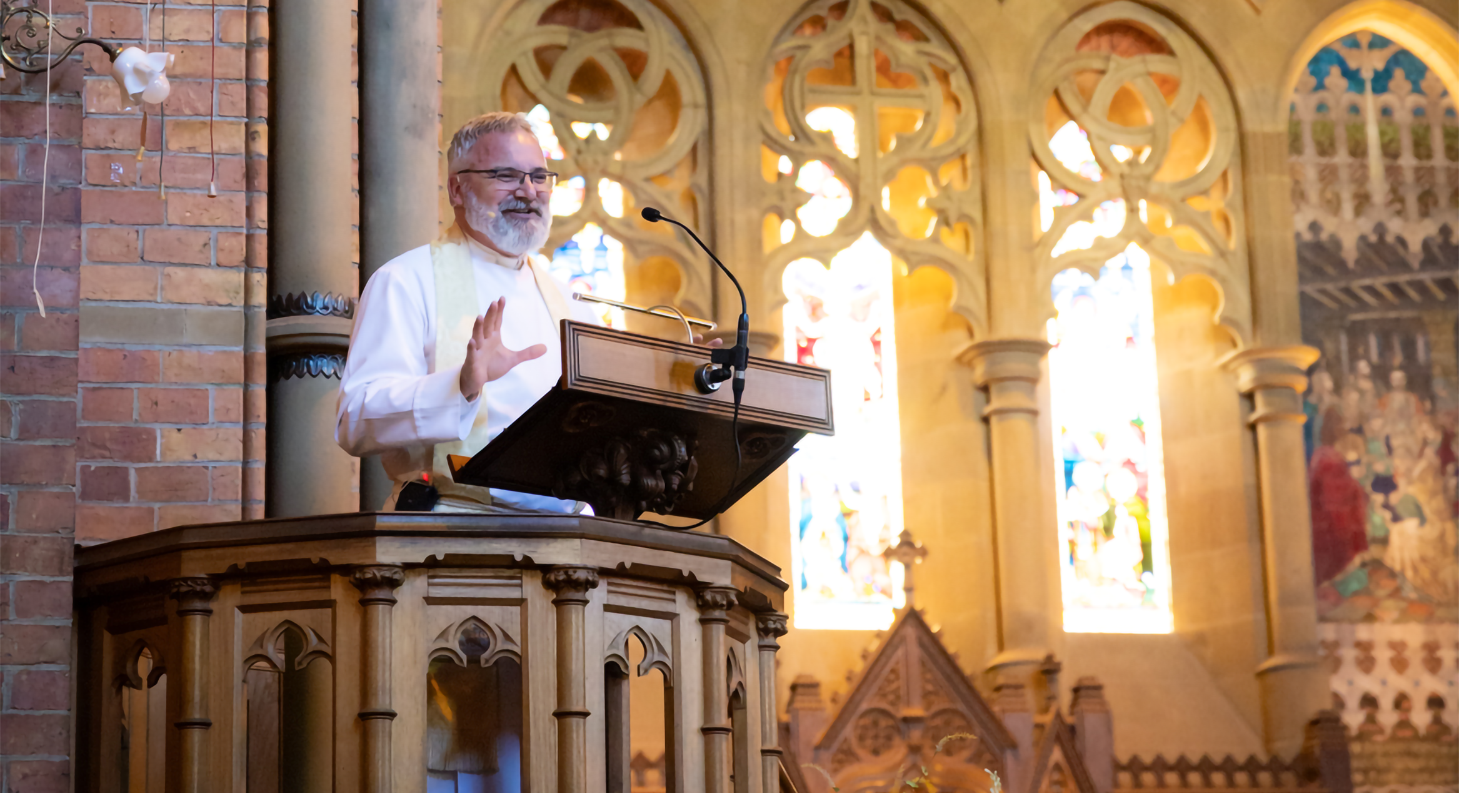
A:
(456, 313)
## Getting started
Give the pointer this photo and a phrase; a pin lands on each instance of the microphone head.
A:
(651, 215)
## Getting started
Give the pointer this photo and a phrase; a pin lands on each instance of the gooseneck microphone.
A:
(731, 362)
(734, 361)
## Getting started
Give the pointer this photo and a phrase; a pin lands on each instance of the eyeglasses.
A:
(511, 177)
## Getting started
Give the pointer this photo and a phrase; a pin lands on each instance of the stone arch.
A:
(919, 73)
(629, 68)
(1144, 62)
(1412, 27)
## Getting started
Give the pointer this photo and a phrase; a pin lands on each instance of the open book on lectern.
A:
(627, 431)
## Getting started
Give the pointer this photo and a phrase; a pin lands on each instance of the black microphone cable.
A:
(736, 358)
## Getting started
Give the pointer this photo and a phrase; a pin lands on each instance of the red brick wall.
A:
(137, 403)
(38, 409)
(170, 397)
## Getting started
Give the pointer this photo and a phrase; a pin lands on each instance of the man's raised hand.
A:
(487, 358)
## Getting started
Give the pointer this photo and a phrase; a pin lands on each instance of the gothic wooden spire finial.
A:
(909, 553)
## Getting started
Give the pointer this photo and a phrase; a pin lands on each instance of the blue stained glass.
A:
(1322, 63)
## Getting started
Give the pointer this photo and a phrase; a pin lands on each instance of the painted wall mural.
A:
(1374, 146)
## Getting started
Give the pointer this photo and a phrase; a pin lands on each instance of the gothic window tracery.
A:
(616, 97)
(1135, 155)
(868, 157)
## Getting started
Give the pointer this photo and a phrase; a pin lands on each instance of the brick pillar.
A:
(38, 423)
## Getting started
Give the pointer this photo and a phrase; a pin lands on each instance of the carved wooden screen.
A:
(868, 158)
(1136, 150)
(617, 98)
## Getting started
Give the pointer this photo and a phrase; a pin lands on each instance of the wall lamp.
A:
(26, 38)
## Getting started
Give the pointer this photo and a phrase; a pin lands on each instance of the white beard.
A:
(509, 234)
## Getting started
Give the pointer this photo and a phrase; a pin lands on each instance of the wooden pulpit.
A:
(627, 431)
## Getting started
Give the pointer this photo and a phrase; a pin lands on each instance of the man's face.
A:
(512, 215)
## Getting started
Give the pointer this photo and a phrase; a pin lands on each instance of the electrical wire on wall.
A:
(45, 171)
(162, 110)
(142, 106)
(213, 104)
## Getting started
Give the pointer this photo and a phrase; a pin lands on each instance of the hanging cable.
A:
(40, 236)
(162, 109)
(212, 104)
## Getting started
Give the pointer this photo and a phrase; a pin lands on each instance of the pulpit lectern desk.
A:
(626, 431)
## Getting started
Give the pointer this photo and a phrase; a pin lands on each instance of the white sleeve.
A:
(387, 398)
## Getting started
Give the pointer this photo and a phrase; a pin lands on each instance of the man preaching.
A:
(456, 339)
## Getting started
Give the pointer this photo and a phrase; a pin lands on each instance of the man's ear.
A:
(453, 190)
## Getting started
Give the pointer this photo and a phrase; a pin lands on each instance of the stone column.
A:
(770, 625)
(714, 605)
(377, 584)
(312, 280)
(1293, 685)
(1030, 615)
(194, 606)
(399, 152)
(571, 583)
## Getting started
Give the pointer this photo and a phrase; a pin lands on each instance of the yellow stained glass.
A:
(846, 498)
(1105, 400)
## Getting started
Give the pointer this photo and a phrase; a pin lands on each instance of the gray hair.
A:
(484, 124)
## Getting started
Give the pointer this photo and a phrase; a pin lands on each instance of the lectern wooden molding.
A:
(627, 431)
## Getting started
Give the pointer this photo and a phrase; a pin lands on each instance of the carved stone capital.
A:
(316, 304)
(193, 595)
(771, 625)
(1010, 370)
(1275, 377)
(1262, 368)
(997, 360)
(377, 583)
(714, 602)
(571, 583)
(305, 364)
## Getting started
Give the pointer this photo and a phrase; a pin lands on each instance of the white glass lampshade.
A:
(142, 76)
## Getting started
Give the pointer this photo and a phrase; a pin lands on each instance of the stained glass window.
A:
(1105, 403)
(591, 261)
(846, 498)
(868, 103)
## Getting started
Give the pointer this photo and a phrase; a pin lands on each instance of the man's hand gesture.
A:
(487, 358)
